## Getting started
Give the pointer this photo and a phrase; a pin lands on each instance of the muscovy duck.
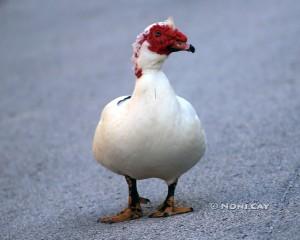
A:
(154, 133)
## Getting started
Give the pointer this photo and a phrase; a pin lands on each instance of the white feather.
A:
(155, 134)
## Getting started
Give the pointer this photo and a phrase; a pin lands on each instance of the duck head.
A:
(156, 43)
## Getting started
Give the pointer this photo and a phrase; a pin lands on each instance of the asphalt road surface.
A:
(62, 61)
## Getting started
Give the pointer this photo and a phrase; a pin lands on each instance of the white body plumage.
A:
(154, 134)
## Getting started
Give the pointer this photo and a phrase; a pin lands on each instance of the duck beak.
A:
(191, 48)
(182, 46)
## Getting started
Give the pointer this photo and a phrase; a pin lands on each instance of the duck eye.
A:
(157, 34)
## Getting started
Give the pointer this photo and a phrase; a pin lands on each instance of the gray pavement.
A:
(62, 61)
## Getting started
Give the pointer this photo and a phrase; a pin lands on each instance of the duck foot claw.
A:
(170, 211)
(144, 200)
(126, 215)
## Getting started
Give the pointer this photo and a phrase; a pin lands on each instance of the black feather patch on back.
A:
(123, 100)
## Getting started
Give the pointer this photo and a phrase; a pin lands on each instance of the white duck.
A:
(153, 133)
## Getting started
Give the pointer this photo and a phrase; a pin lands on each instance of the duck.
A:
(152, 133)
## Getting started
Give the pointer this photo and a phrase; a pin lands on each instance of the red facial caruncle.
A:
(163, 38)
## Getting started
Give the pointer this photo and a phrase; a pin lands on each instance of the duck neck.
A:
(145, 60)
(153, 85)
(150, 79)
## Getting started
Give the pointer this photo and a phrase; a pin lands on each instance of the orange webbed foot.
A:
(125, 215)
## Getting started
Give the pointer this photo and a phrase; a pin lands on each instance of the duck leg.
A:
(168, 207)
(133, 210)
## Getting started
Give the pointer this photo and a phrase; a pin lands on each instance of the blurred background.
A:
(62, 61)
